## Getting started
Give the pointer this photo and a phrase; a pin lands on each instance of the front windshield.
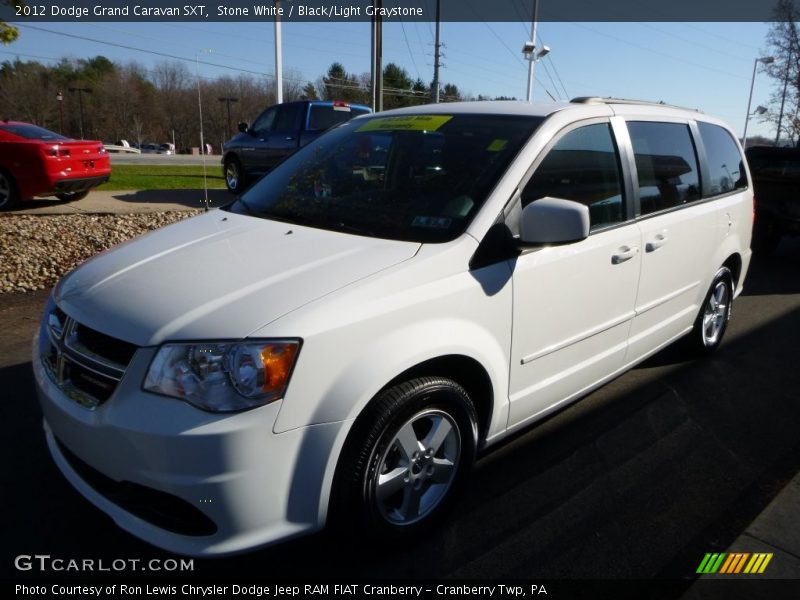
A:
(415, 178)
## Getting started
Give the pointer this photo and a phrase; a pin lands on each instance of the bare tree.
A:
(783, 43)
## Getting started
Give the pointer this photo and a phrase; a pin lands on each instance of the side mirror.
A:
(242, 127)
(554, 221)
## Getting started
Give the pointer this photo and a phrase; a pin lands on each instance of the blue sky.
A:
(699, 65)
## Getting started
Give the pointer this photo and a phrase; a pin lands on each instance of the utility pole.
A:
(278, 55)
(227, 100)
(81, 91)
(437, 53)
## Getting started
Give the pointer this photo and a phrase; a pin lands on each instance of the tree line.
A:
(783, 46)
(137, 104)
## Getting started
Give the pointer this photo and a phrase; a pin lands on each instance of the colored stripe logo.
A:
(734, 563)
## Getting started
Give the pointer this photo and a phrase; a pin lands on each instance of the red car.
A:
(38, 162)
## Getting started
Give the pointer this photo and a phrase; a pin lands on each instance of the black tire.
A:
(715, 312)
(72, 196)
(424, 485)
(9, 195)
(235, 178)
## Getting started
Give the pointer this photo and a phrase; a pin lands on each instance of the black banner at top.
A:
(393, 10)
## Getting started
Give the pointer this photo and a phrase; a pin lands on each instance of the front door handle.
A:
(655, 243)
(289, 138)
(623, 254)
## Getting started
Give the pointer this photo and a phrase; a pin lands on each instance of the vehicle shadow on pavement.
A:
(778, 273)
(193, 198)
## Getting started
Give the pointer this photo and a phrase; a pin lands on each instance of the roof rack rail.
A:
(601, 100)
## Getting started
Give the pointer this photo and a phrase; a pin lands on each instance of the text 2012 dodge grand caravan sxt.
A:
(410, 287)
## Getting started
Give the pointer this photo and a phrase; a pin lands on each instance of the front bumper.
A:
(188, 481)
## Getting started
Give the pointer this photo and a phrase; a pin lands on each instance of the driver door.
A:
(574, 303)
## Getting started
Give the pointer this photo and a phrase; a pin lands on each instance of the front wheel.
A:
(712, 322)
(406, 459)
(234, 175)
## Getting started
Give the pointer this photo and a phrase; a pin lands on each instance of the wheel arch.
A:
(465, 371)
(734, 263)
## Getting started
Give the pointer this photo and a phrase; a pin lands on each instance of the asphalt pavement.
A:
(638, 481)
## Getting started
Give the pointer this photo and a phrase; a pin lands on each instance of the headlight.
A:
(223, 377)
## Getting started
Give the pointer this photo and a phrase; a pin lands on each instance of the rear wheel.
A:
(234, 175)
(406, 459)
(712, 322)
(9, 196)
(72, 196)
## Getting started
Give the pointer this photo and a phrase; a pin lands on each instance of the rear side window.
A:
(583, 166)
(666, 164)
(725, 163)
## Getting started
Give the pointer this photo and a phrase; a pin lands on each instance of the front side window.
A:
(415, 178)
(266, 120)
(666, 164)
(725, 162)
(582, 166)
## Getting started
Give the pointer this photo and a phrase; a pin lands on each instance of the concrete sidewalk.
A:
(126, 201)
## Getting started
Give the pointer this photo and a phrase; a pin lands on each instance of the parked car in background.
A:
(776, 179)
(410, 288)
(38, 162)
(276, 133)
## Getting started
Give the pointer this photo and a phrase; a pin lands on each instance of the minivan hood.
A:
(217, 276)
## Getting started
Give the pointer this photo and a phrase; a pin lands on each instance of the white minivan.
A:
(411, 287)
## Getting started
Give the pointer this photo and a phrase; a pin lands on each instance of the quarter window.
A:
(583, 166)
(666, 164)
(725, 163)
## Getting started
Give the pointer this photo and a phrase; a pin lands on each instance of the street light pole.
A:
(60, 99)
(766, 60)
(81, 91)
(531, 60)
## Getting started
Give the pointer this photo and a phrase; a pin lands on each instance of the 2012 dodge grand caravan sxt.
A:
(410, 287)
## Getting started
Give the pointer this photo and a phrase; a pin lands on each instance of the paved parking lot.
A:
(639, 480)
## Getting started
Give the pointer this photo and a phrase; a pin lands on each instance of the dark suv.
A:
(776, 179)
(276, 133)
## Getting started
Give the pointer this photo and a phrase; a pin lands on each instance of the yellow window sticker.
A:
(410, 123)
(497, 145)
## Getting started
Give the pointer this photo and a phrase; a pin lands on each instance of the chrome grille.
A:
(86, 364)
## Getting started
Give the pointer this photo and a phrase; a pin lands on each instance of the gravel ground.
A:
(36, 251)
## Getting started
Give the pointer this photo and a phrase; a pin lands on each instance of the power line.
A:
(156, 53)
(410, 54)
